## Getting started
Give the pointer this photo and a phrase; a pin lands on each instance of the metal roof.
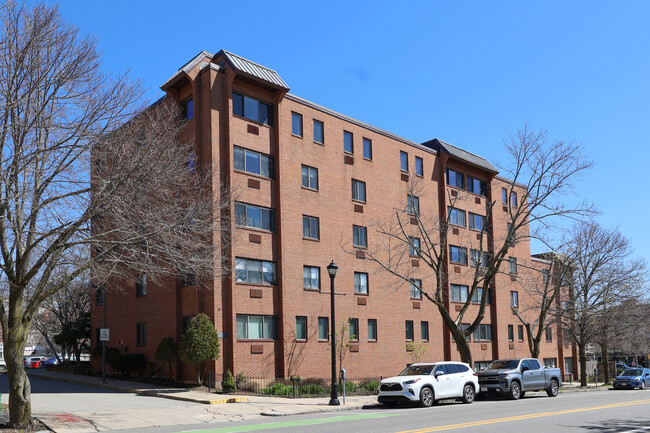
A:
(461, 154)
(253, 69)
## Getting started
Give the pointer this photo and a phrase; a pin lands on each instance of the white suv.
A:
(428, 383)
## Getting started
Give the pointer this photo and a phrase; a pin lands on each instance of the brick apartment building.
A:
(310, 186)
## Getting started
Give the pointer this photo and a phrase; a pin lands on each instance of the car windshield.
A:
(632, 372)
(417, 370)
(503, 364)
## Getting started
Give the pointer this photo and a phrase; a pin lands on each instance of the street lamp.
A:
(331, 269)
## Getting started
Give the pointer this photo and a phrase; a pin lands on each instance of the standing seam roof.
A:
(251, 68)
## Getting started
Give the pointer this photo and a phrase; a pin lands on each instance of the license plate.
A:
(483, 389)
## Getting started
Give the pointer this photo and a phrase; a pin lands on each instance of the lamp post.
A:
(331, 270)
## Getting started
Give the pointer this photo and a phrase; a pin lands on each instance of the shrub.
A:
(199, 344)
(371, 386)
(167, 351)
(311, 388)
(111, 352)
(229, 384)
(350, 387)
(128, 363)
(278, 388)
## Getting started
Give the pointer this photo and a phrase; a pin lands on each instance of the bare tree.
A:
(543, 285)
(540, 173)
(78, 147)
(66, 306)
(603, 273)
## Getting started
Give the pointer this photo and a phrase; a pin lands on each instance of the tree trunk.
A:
(20, 406)
(463, 349)
(605, 362)
(49, 343)
(582, 358)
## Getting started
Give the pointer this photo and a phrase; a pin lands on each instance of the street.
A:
(605, 411)
(79, 408)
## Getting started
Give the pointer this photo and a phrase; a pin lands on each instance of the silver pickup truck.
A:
(514, 377)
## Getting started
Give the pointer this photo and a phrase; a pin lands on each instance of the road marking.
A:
(297, 423)
(524, 417)
(636, 430)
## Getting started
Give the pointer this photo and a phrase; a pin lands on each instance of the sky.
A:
(467, 72)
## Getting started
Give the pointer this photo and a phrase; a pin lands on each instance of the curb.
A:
(195, 400)
(315, 410)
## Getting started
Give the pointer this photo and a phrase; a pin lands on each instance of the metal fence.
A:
(296, 387)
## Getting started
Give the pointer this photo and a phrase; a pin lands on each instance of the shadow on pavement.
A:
(617, 425)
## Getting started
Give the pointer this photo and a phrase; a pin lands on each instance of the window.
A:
(358, 190)
(510, 237)
(414, 246)
(511, 333)
(141, 285)
(254, 271)
(354, 329)
(248, 215)
(483, 332)
(252, 109)
(403, 161)
(478, 294)
(549, 335)
(476, 222)
(309, 177)
(458, 292)
(253, 162)
(476, 186)
(348, 142)
(479, 258)
(250, 327)
(419, 166)
(189, 279)
(301, 328)
(480, 365)
(424, 330)
(359, 237)
(100, 295)
(455, 178)
(310, 227)
(361, 283)
(416, 288)
(514, 299)
(367, 148)
(413, 204)
(457, 254)
(296, 124)
(141, 334)
(456, 216)
(513, 199)
(520, 332)
(513, 265)
(550, 362)
(311, 277)
(323, 328)
(187, 109)
(372, 329)
(319, 132)
(191, 162)
(409, 330)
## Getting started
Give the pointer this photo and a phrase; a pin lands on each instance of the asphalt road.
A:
(604, 411)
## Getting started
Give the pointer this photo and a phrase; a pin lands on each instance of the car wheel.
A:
(552, 389)
(426, 397)
(515, 391)
(468, 394)
(642, 387)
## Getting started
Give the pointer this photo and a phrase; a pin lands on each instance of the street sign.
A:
(104, 334)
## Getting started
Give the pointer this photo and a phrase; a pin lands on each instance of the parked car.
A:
(33, 361)
(427, 383)
(633, 378)
(514, 377)
(622, 366)
(51, 361)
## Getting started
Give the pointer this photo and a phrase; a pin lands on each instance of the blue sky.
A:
(465, 72)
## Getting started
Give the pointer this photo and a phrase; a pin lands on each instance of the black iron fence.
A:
(295, 387)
